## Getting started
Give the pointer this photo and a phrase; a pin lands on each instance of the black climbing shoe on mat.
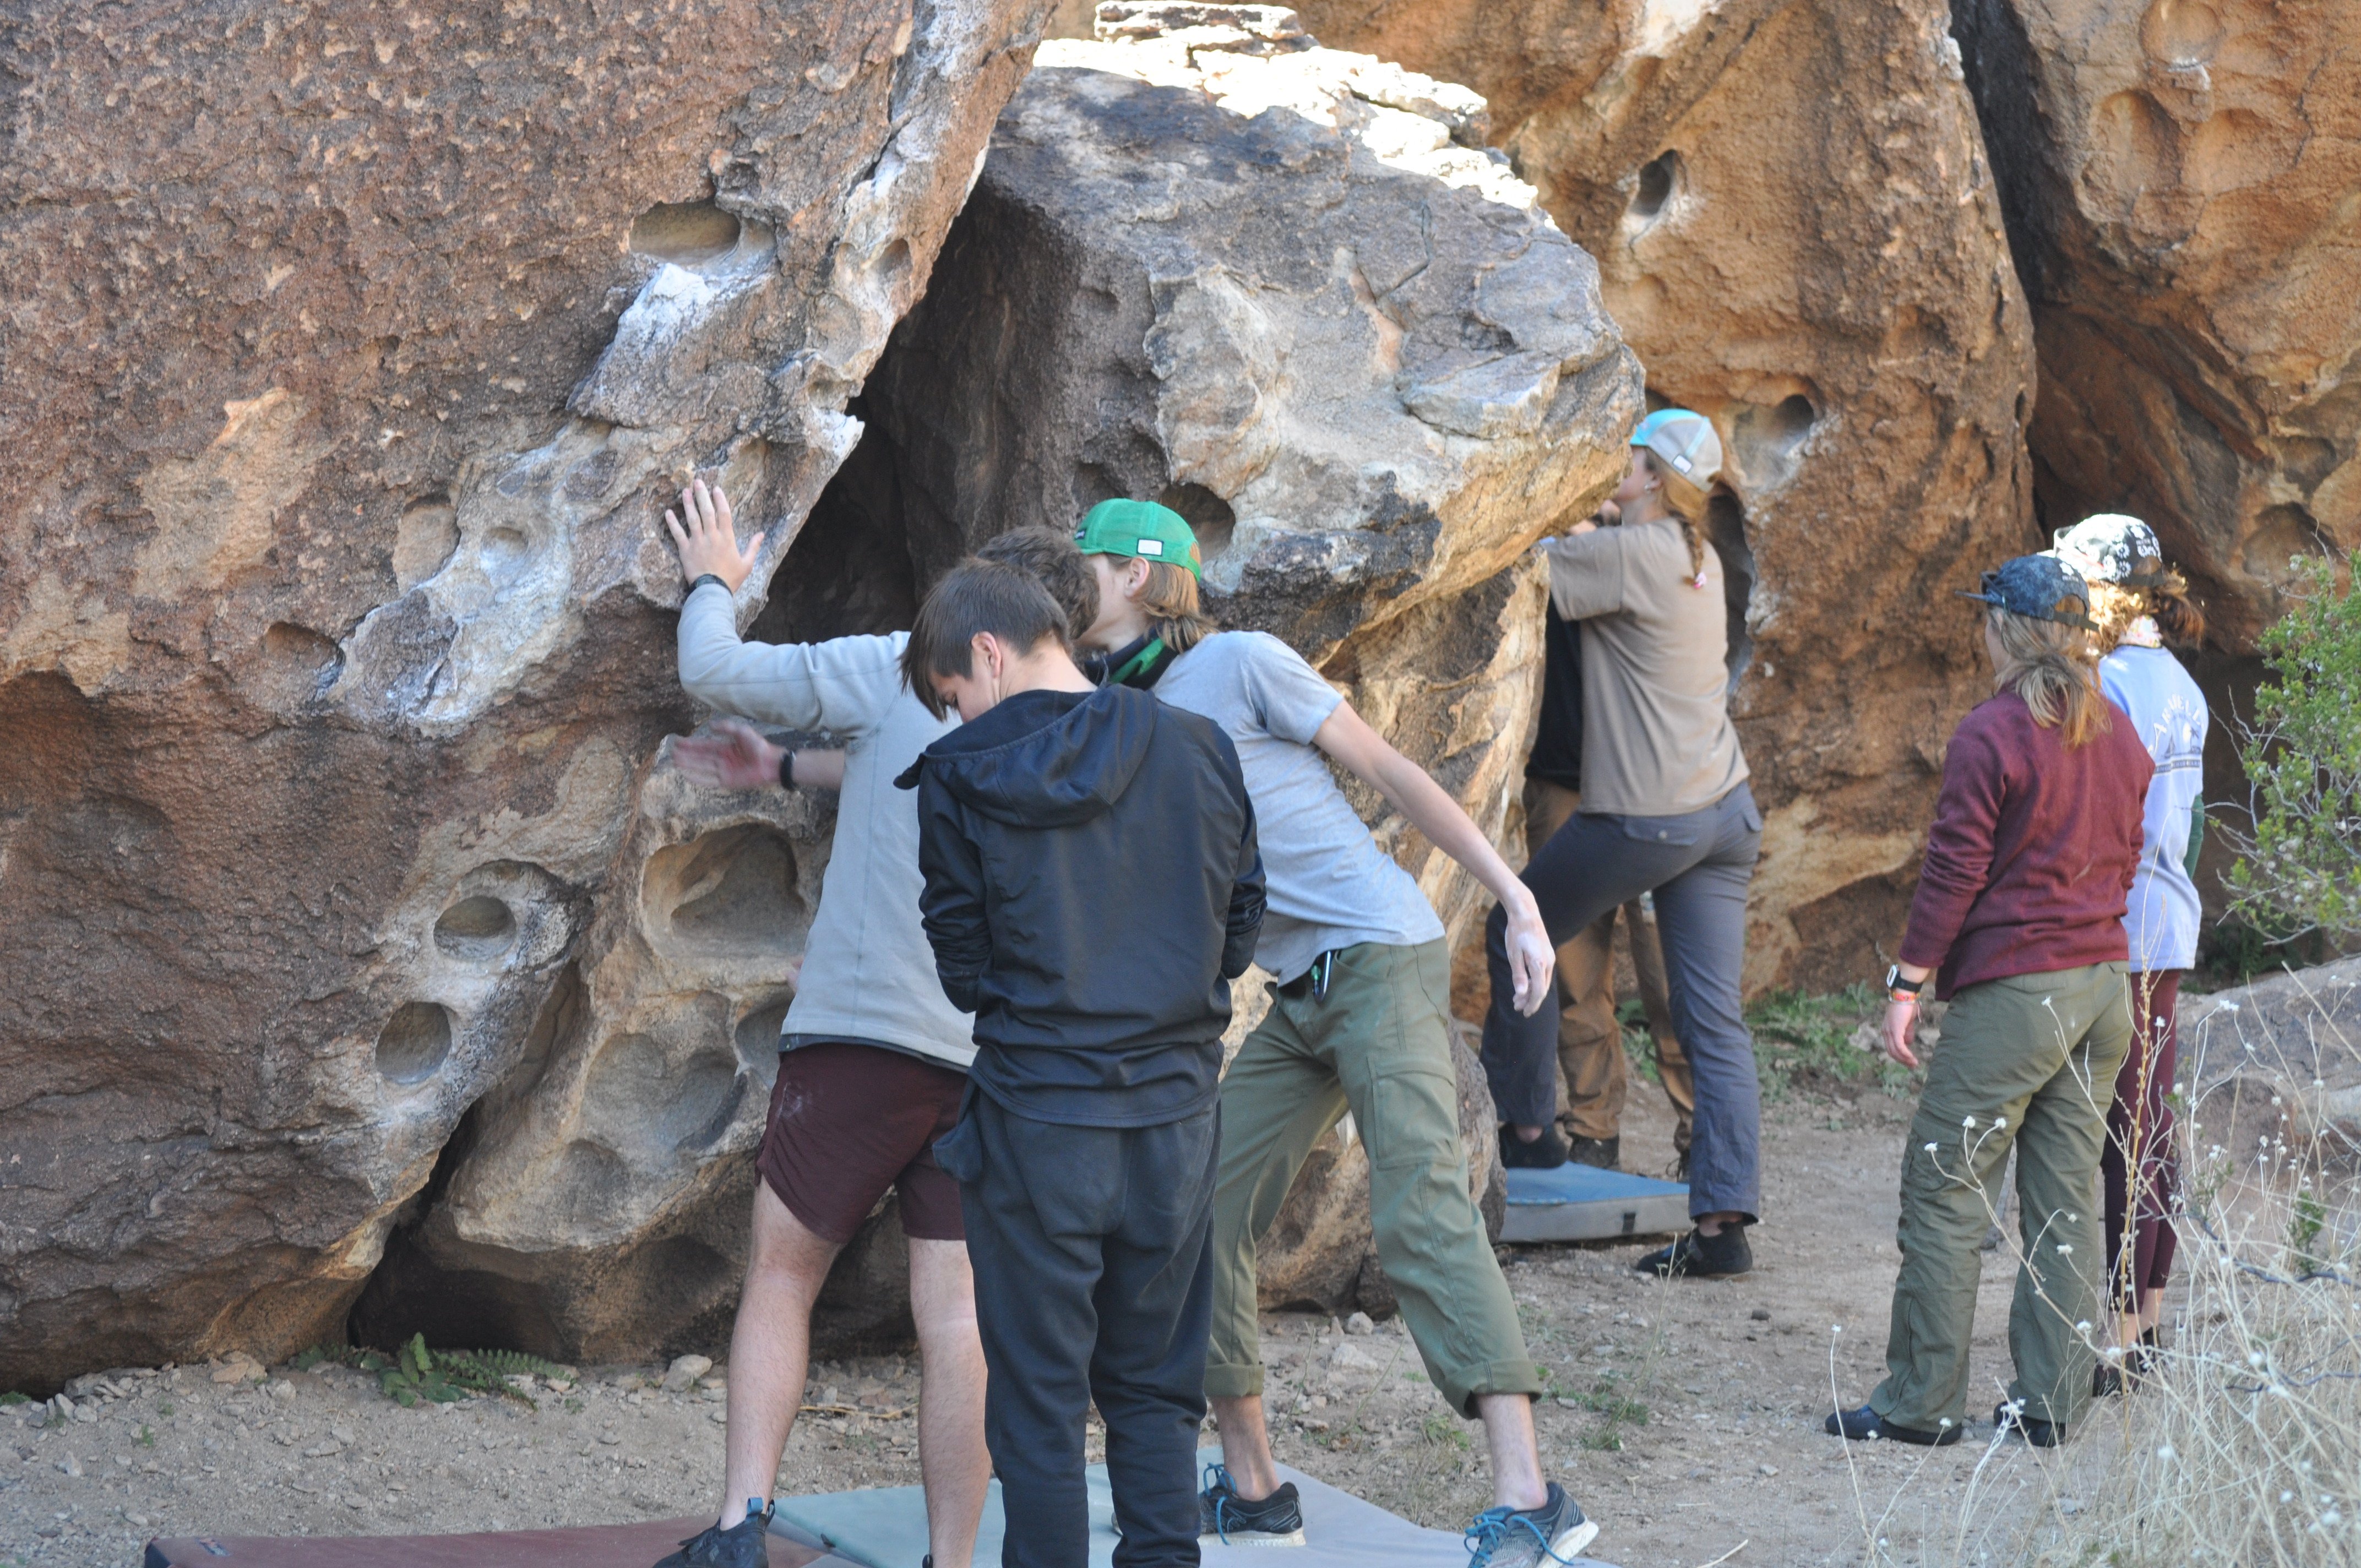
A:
(740, 1546)
(1224, 1516)
(1863, 1424)
(2008, 1418)
(1700, 1257)
(1607, 1153)
(1530, 1538)
(1544, 1153)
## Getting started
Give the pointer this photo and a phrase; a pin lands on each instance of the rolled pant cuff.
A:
(1233, 1380)
(1462, 1388)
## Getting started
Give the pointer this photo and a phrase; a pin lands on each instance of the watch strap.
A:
(709, 578)
(787, 771)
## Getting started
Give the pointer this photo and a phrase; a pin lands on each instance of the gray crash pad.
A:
(1583, 1203)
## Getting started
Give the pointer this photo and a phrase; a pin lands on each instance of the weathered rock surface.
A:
(349, 353)
(1273, 285)
(2273, 1070)
(1798, 232)
(2179, 180)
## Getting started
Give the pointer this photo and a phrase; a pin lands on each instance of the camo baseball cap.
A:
(1685, 439)
(2112, 548)
(2042, 587)
(1144, 529)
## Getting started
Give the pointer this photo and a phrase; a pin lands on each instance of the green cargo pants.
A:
(1377, 1044)
(2030, 1060)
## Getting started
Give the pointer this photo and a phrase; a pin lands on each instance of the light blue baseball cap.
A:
(1685, 439)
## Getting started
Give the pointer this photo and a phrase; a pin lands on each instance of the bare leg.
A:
(770, 1348)
(951, 1455)
(1516, 1453)
(1246, 1446)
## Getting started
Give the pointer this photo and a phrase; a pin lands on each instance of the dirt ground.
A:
(1685, 1416)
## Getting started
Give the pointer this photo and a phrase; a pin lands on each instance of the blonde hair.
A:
(2050, 666)
(1176, 611)
(2114, 607)
(1686, 500)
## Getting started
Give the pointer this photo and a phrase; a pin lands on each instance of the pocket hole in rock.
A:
(1659, 180)
(1207, 514)
(758, 1034)
(480, 928)
(414, 1042)
(728, 892)
(423, 538)
(684, 233)
(504, 545)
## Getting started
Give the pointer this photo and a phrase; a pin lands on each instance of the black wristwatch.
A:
(1898, 989)
(786, 763)
(710, 578)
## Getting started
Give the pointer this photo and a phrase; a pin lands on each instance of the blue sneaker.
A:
(1224, 1516)
(740, 1546)
(1530, 1538)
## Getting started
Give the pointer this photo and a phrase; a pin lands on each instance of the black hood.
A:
(1045, 758)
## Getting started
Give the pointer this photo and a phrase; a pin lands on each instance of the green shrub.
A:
(2299, 871)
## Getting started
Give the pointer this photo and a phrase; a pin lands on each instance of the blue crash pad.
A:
(886, 1528)
(1583, 1203)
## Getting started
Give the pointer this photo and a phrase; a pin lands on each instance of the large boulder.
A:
(1285, 290)
(2179, 180)
(349, 353)
(1798, 232)
(2273, 1071)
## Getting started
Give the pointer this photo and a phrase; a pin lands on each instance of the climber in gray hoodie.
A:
(874, 1057)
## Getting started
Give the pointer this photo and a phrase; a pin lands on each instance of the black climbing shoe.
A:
(1224, 1517)
(2010, 1417)
(740, 1546)
(1607, 1153)
(1544, 1153)
(1865, 1423)
(1700, 1257)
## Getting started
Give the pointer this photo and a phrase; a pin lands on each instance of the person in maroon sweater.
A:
(2019, 920)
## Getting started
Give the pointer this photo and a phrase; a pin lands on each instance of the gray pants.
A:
(1697, 865)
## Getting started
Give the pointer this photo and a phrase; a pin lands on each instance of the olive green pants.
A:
(2030, 1061)
(1379, 1044)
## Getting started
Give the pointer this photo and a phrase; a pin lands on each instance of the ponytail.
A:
(2114, 607)
(1686, 500)
(2177, 615)
(2049, 668)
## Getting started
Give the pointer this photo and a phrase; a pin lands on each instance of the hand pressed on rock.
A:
(707, 539)
(735, 756)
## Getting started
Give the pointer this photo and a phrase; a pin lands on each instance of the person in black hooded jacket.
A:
(1092, 886)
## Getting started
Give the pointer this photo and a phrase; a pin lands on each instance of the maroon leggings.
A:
(2139, 1165)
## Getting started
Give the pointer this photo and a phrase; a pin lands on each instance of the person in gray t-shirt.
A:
(1359, 1020)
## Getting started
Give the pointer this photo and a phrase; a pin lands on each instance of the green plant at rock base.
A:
(2304, 1225)
(439, 1377)
(2300, 869)
(14, 1397)
(1803, 1041)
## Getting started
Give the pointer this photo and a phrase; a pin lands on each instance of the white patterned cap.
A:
(2112, 548)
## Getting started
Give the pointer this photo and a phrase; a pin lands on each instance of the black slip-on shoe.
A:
(1864, 1424)
(740, 1546)
(1223, 1516)
(1544, 1153)
(2009, 1417)
(2107, 1380)
(1607, 1153)
(1700, 1257)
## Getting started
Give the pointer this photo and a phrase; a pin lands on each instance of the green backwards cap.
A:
(1151, 532)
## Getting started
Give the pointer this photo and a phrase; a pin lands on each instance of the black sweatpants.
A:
(1093, 1252)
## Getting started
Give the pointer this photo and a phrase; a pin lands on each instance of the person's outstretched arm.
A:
(736, 756)
(1346, 737)
(843, 685)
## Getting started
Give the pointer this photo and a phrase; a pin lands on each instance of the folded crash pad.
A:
(1583, 1203)
(592, 1546)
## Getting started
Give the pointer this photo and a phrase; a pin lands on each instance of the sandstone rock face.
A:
(349, 351)
(2180, 177)
(1275, 286)
(1798, 232)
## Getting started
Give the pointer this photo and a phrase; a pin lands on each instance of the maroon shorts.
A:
(848, 1122)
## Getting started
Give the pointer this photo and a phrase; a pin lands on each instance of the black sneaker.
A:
(1544, 1153)
(1224, 1517)
(740, 1546)
(1530, 1538)
(1607, 1153)
(2009, 1416)
(1700, 1257)
(1864, 1424)
(2107, 1381)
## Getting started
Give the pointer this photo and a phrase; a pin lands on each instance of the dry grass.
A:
(2243, 1447)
